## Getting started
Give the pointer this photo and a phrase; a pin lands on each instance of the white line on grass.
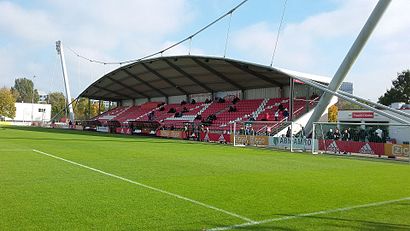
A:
(308, 214)
(148, 187)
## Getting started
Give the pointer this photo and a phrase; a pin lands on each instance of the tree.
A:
(58, 103)
(332, 113)
(346, 105)
(15, 94)
(94, 108)
(24, 91)
(82, 109)
(7, 103)
(400, 92)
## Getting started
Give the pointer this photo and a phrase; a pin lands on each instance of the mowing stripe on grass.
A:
(308, 214)
(15, 150)
(148, 187)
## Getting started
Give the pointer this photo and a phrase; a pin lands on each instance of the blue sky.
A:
(315, 36)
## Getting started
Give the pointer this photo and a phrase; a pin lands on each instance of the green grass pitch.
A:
(40, 192)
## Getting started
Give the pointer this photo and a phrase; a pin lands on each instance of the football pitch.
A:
(70, 180)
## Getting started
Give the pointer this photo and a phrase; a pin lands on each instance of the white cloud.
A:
(118, 30)
(256, 40)
(110, 25)
(386, 53)
(319, 43)
(34, 25)
(345, 20)
(7, 66)
(99, 29)
(181, 49)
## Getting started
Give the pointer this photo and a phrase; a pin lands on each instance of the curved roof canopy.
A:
(185, 75)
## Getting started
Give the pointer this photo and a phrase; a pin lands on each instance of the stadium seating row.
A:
(222, 113)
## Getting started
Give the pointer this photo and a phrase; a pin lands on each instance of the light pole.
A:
(60, 51)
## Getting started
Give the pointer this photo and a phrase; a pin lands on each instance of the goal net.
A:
(381, 139)
(272, 134)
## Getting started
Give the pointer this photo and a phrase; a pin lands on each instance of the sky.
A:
(315, 37)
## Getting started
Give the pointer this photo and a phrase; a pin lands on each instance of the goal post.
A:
(380, 139)
(271, 134)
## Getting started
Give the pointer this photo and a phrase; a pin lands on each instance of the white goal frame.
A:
(264, 137)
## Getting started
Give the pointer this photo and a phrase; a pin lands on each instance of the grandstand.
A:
(208, 98)
(224, 100)
(55, 179)
(215, 92)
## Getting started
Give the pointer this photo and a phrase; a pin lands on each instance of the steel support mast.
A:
(60, 51)
(348, 61)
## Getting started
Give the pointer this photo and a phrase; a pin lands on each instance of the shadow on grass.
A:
(162, 140)
(346, 224)
(321, 222)
(108, 137)
(75, 132)
(327, 223)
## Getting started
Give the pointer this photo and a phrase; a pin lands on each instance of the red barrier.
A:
(172, 134)
(363, 114)
(123, 131)
(215, 137)
(339, 146)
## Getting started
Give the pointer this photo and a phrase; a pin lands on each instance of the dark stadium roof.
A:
(183, 75)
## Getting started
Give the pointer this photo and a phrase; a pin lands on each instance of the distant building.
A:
(43, 97)
(106, 104)
(399, 133)
(347, 87)
(397, 105)
(405, 107)
(28, 112)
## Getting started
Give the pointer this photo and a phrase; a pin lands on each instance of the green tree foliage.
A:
(346, 105)
(102, 108)
(400, 92)
(15, 94)
(58, 103)
(7, 103)
(332, 113)
(82, 109)
(24, 91)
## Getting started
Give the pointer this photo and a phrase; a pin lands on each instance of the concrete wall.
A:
(400, 133)
(361, 116)
(272, 92)
(223, 94)
(201, 97)
(127, 102)
(158, 99)
(140, 101)
(177, 99)
(32, 112)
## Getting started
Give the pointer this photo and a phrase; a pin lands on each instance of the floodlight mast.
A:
(60, 51)
(348, 61)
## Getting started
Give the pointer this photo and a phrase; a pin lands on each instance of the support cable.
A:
(190, 45)
(66, 108)
(227, 34)
(350, 99)
(163, 50)
(279, 29)
(376, 105)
